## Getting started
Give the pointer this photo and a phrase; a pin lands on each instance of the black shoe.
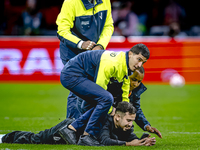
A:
(68, 135)
(88, 140)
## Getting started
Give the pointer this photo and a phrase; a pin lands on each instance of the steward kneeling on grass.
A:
(118, 130)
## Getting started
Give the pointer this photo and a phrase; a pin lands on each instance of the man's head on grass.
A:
(124, 116)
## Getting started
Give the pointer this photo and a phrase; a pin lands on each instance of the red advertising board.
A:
(31, 59)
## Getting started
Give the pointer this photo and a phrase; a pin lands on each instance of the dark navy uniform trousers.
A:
(72, 111)
(92, 93)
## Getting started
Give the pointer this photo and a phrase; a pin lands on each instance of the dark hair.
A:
(141, 69)
(141, 48)
(124, 107)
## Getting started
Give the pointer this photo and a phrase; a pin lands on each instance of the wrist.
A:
(128, 144)
(80, 44)
(145, 127)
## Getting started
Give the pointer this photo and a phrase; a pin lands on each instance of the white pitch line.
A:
(6, 131)
(185, 132)
(31, 118)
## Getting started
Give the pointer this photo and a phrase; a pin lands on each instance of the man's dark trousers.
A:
(48, 136)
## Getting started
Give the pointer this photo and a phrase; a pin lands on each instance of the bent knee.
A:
(108, 97)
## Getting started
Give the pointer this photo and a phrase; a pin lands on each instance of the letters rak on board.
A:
(38, 60)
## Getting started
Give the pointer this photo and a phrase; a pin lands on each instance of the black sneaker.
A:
(68, 135)
(88, 140)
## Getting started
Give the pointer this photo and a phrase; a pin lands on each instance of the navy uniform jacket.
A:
(81, 20)
(114, 136)
(100, 66)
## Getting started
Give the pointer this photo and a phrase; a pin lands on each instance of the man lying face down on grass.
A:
(118, 130)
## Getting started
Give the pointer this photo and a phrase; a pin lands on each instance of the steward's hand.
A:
(88, 45)
(97, 47)
(153, 130)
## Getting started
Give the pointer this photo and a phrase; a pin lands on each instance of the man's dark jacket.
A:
(110, 135)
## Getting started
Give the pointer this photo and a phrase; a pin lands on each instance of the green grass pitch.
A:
(35, 107)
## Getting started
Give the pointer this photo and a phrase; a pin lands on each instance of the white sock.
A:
(1, 136)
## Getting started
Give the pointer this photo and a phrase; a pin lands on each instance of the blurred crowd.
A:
(131, 17)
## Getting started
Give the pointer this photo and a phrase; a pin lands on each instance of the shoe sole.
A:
(66, 137)
(82, 143)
